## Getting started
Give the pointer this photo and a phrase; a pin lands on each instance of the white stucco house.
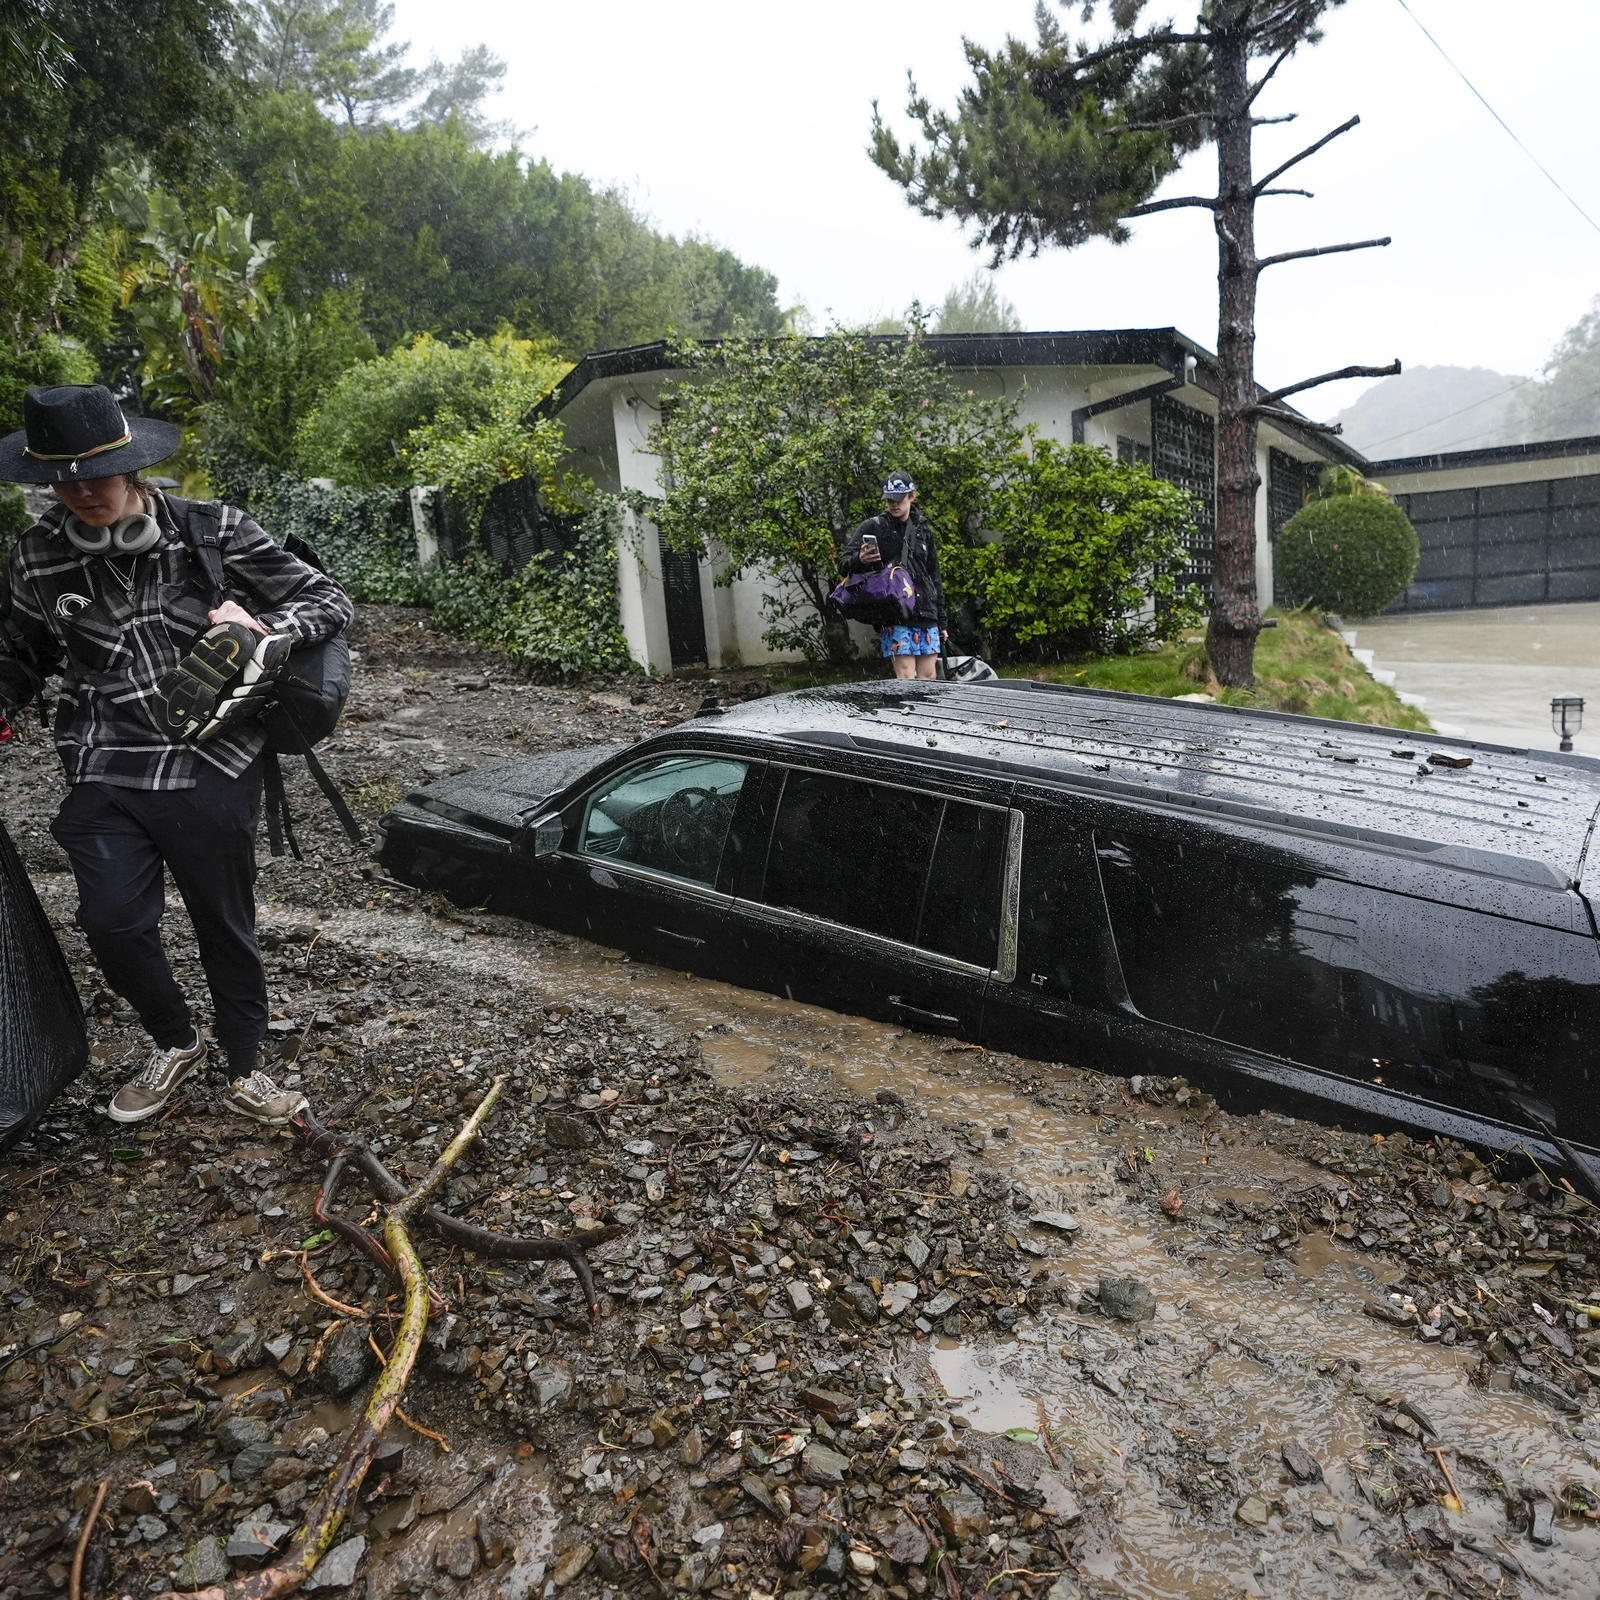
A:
(1142, 393)
(1512, 525)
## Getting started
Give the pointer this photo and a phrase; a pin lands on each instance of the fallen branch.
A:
(416, 1427)
(567, 1248)
(349, 1471)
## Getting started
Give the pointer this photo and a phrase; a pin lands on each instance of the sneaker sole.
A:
(187, 1072)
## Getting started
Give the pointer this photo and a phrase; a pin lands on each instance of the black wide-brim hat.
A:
(76, 431)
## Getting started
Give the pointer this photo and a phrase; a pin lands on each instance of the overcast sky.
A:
(749, 126)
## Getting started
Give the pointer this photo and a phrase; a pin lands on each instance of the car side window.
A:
(961, 910)
(671, 815)
(852, 852)
(859, 854)
(1353, 979)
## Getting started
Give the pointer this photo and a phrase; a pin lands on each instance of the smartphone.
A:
(869, 547)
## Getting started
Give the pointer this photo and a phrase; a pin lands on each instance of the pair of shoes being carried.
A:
(161, 1078)
(256, 1096)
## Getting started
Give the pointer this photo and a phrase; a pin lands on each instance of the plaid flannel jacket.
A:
(68, 614)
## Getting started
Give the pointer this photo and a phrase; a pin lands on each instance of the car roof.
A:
(1342, 779)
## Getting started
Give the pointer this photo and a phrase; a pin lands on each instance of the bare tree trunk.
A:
(1235, 616)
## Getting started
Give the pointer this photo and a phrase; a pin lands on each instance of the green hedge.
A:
(558, 616)
(1351, 554)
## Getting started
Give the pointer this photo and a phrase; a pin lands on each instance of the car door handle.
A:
(900, 1008)
(682, 938)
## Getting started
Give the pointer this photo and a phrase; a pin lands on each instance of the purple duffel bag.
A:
(885, 597)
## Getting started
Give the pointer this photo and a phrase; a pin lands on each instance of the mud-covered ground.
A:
(878, 1313)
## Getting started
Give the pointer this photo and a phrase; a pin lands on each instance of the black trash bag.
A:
(43, 1042)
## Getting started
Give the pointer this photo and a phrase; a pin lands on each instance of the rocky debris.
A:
(205, 1561)
(1253, 1511)
(1305, 1467)
(256, 1538)
(347, 1358)
(338, 1569)
(1126, 1299)
(738, 1424)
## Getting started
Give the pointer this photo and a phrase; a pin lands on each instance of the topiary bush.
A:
(1352, 554)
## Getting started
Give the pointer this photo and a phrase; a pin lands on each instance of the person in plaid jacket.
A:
(103, 590)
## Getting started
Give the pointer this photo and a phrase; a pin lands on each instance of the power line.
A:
(1498, 118)
(1498, 394)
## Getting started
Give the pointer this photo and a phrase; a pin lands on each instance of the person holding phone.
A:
(900, 534)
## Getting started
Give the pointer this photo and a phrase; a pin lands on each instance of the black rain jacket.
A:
(923, 563)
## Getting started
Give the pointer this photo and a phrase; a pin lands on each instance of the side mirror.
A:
(548, 832)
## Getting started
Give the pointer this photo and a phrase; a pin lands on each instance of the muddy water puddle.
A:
(1179, 1420)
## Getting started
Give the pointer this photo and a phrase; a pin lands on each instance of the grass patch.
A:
(1302, 665)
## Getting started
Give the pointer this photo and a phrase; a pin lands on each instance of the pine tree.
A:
(1063, 141)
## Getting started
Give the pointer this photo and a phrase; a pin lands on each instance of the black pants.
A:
(118, 841)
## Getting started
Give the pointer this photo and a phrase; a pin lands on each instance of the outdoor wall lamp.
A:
(1566, 717)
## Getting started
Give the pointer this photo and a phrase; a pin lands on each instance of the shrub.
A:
(559, 615)
(1089, 558)
(379, 414)
(363, 537)
(1351, 554)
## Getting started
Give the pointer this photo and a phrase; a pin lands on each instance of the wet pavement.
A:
(1490, 675)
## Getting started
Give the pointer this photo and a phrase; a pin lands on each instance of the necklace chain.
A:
(125, 580)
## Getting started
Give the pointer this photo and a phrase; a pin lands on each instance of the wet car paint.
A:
(1389, 940)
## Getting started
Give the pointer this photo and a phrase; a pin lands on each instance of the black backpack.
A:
(309, 694)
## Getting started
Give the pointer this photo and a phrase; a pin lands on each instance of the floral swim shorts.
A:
(903, 641)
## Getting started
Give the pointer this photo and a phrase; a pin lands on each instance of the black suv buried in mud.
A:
(1380, 929)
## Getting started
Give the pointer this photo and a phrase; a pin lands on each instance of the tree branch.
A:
(1310, 150)
(1293, 420)
(1172, 205)
(1266, 122)
(1161, 127)
(1267, 76)
(1390, 371)
(1319, 250)
(1136, 46)
(344, 1482)
(1266, 192)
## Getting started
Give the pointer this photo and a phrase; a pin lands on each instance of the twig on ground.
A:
(567, 1248)
(75, 1579)
(416, 1427)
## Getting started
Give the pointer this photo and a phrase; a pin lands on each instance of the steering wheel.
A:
(693, 822)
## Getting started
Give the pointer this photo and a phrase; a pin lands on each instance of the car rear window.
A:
(859, 854)
(1347, 977)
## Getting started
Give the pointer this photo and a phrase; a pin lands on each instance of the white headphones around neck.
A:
(131, 536)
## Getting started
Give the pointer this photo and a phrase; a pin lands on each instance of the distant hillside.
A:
(1436, 408)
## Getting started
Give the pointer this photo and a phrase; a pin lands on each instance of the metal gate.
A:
(1183, 450)
(1505, 544)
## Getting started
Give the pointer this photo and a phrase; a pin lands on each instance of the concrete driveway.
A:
(1490, 675)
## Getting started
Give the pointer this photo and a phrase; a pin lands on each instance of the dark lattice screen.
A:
(515, 527)
(1288, 478)
(1131, 451)
(686, 619)
(1184, 451)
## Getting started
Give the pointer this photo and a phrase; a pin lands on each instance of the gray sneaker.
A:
(260, 1099)
(145, 1095)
